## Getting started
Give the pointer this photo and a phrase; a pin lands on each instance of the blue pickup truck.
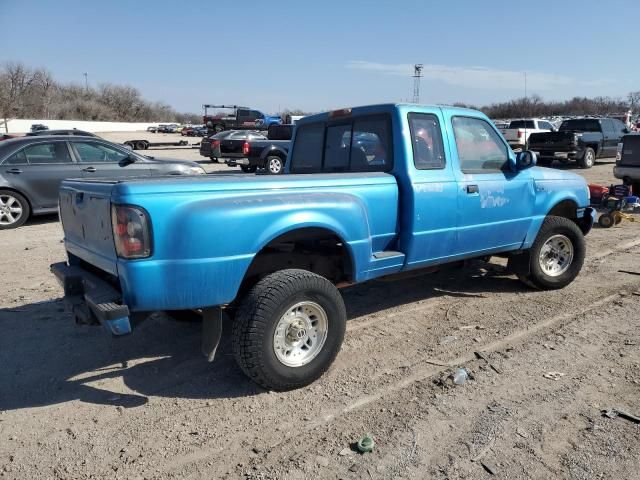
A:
(432, 186)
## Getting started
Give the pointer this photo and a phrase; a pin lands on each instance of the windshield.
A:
(582, 125)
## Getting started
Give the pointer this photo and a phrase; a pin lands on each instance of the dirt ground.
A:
(76, 403)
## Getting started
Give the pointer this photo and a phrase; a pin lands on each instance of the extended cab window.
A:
(428, 152)
(522, 124)
(480, 149)
(359, 145)
(581, 125)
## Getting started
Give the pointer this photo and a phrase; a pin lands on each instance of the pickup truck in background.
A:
(431, 186)
(582, 139)
(518, 131)
(627, 166)
(255, 152)
(234, 117)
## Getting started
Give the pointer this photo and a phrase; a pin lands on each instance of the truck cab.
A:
(368, 192)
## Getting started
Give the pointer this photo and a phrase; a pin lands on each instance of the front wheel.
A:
(249, 168)
(588, 160)
(557, 254)
(289, 329)
(275, 165)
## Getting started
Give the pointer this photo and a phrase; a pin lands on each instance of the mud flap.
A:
(520, 263)
(211, 331)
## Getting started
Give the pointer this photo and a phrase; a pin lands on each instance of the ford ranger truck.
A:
(431, 185)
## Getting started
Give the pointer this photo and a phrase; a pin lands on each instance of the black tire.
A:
(588, 159)
(249, 168)
(214, 159)
(606, 220)
(274, 165)
(11, 201)
(551, 227)
(141, 145)
(258, 316)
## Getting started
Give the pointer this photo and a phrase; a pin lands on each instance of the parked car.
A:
(152, 129)
(442, 187)
(36, 127)
(518, 132)
(253, 150)
(71, 131)
(31, 169)
(627, 167)
(233, 117)
(582, 139)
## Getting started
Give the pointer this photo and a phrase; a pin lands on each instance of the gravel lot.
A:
(76, 403)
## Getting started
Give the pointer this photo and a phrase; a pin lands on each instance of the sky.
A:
(319, 55)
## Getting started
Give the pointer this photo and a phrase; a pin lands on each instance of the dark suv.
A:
(32, 168)
(627, 166)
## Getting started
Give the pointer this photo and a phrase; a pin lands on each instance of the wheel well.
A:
(20, 193)
(317, 250)
(594, 146)
(568, 209)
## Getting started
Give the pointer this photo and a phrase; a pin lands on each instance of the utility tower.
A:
(417, 75)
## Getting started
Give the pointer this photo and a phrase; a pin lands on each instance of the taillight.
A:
(215, 143)
(131, 231)
(519, 134)
(245, 148)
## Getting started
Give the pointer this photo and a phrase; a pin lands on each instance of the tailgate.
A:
(231, 147)
(85, 212)
(511, 134)
(551, 141)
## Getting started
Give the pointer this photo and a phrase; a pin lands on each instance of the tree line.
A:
(535, 106)
(34, 93)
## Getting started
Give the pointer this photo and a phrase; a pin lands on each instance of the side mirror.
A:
(526, 159)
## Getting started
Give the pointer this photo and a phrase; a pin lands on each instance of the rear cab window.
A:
(358, 144)
(522, 124)
(581, 125)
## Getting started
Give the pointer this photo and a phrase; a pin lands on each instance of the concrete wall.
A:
(24, 125)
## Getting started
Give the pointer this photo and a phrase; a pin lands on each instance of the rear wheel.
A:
(14, 209)
(141, 145)
(588, 160)
(275, 165)
(249, 168)
(289, 329)
(214, 159)
(557, 254)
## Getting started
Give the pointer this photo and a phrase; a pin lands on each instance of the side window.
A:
(371, 149)
(89, 152)
(18, 158)
(426, 136)
(480, 149)
(337, 148)
(619, 126)
(45, 153)
(607, 126)
(241, 113)
(545, 126)
(256, 114)
(307, 149)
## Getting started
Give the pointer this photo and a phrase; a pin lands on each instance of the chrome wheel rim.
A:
(10, 210)
(589, 158)
(300, 334)
(556, 255)
(275, 165)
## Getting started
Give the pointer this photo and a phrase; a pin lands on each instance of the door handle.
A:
(14, 170)
(472, 189)
(89, 169)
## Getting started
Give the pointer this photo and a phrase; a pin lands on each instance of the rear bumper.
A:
(92, 300)
(621, 171)
(233, 161)
(568, 154)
